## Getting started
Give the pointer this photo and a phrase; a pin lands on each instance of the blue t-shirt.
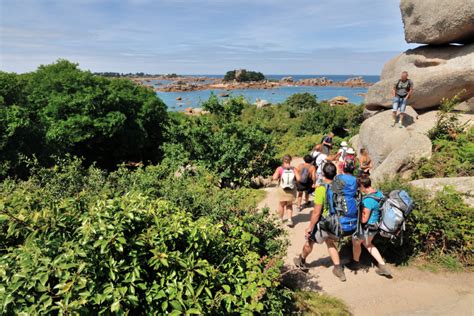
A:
(373, 206)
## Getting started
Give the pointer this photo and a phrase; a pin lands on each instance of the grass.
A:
(439, 263)
(314, 303)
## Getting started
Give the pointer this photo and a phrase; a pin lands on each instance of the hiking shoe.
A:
(400, 125)
(383, 270)
(339, 272)
(354, 265)
(290, 223)
(300, 263)
(393, 123)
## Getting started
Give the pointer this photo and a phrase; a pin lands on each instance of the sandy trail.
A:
(410, 292)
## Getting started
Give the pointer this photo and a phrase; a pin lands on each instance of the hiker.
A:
(305, 185)
(314, 233)
(341, 153)
(286, 191)
(369, 219)
(319, 158)
(365, 163)
(402, 91)
(349, 155)
(327, 143)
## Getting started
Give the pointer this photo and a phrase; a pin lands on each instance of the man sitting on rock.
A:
(402, 91)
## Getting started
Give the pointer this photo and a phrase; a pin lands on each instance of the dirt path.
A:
(410, 292)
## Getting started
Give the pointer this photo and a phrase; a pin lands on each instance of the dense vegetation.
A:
(453, 146)
(60, 109)
(243, 76)
(76, 240)
(180, 234)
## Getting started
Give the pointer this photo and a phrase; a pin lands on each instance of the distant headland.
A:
(232, 80)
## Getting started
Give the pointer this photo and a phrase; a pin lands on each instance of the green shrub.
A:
(244, 76)
(102, 245)
(439, 226)
(234, 150)
(60, 109)
(451, 157)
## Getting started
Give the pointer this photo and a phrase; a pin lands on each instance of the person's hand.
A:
(307, 231)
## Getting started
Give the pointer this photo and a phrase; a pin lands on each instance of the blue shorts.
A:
(399, 103)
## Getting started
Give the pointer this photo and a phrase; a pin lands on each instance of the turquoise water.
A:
(195, 98)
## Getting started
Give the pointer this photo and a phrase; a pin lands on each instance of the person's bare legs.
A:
(402, 115)
(300, 197)
(356, 249)
(306, 197)
(338, 270)
(289, 209)
(373, 250)
(333, 252)
(281, 209)
(394, 117)
(307, 248)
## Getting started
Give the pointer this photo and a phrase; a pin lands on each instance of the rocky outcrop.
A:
(288, 79)
(463, 185)
(393, 150)
(437, 73)
(438, 21)
(339, 100)
(262, 103)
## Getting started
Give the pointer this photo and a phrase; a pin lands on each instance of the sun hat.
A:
(351, 151)
(344, 144)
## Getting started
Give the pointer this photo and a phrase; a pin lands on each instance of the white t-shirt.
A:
(319, 160)
(343, 150)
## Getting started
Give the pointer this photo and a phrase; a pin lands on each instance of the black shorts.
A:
(305, 187)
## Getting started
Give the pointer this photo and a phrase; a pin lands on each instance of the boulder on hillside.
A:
(466, 106)
(339, 100)
(403, 158)
(393, 150)
(438, 21)
(463, 185)
(437, 73)
(377, 135)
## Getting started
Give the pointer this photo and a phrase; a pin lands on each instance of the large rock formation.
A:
(461, 184)
(438, 21)
(393, 150)
(437, 73)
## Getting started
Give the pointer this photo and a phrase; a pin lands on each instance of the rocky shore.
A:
(188, 83)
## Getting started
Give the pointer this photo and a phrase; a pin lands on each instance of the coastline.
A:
(191, 83)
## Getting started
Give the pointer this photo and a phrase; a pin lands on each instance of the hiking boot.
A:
(383, 270)
(339, 272)
(400, 125)
(300, 263)
(290, 223)
(354, 265)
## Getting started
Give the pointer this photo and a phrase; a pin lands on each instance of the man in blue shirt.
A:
(369, 219)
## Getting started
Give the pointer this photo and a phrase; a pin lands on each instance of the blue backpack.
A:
(343, 201)
(394, 212)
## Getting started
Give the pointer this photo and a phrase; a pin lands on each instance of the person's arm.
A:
(314, 218)
(313, 173)
(297, 174)
(410, 92)
(365, 215)
(276, 174)
(394, 90)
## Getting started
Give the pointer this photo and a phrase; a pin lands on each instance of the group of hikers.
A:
(350, 204)
(344, 204)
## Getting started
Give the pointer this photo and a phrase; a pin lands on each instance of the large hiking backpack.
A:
(287, 180)
(394, 212)
(343, 200)
(305, 177)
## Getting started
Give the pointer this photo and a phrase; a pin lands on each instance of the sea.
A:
(194, 99)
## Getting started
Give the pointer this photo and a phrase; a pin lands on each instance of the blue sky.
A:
(202, 36)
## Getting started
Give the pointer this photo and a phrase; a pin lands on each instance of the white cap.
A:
(344, 144)
(351, 151)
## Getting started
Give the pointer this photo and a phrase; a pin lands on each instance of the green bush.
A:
(60, 109)
(439, 226)
(234, 150)
(102, 245)
(244, 76)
